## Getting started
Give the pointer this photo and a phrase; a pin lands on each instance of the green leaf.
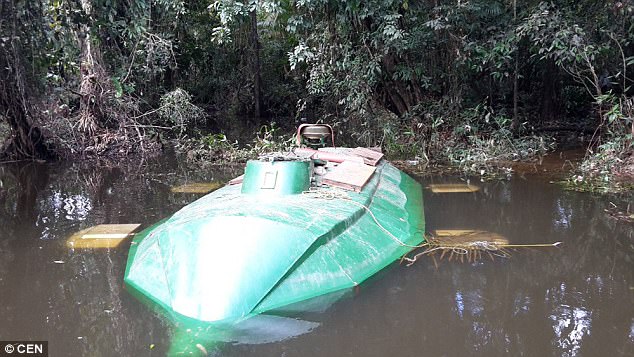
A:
(117, 87)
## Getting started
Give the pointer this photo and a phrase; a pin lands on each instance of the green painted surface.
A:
(229, 255)
(276, 177)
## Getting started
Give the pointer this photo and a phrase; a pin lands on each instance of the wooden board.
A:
(349, 176)
(464, 237)
(453, 188)
(107, 231)
(453, 232)
(370, 157)
(197, 187)
(102, 236)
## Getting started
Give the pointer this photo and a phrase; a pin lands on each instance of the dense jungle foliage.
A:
(465, 82)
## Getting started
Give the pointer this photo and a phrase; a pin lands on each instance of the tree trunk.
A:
(401, 96)
(396, 100)
(257, 79)
(26, 141)
(549, 105)
(516, 119)
(94, 84)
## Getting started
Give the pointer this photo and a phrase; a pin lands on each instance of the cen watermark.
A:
(24, 348)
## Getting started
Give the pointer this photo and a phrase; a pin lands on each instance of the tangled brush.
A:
(469, 245)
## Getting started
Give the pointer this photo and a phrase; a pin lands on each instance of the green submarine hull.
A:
(273, 240)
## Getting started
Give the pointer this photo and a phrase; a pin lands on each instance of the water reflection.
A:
(563, 216)
(190, 337)
(571, 325)
(75, 298)
(583, 289)
(570, 301)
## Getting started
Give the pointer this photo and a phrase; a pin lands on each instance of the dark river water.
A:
(575, 300)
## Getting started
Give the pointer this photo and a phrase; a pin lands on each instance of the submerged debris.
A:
(461, 245)
(622, 215)
(469, 245)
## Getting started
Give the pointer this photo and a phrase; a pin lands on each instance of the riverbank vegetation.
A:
(467, 83)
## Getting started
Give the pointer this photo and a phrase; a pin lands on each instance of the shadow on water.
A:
(574, 300)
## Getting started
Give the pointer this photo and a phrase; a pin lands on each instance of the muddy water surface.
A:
(576, 300)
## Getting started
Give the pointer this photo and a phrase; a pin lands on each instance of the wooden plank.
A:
(197, 187)
(336, 157)
(101, 236)
(110, 231)
(466, 238)
(453, 188)
(349, 175)
(453, 232)
(370, 157)
(94, 243)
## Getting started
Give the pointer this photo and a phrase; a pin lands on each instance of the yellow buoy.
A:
(453, 188)
(197, 187)
(101, 236)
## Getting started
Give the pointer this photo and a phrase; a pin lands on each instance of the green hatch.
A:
(276, 177)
